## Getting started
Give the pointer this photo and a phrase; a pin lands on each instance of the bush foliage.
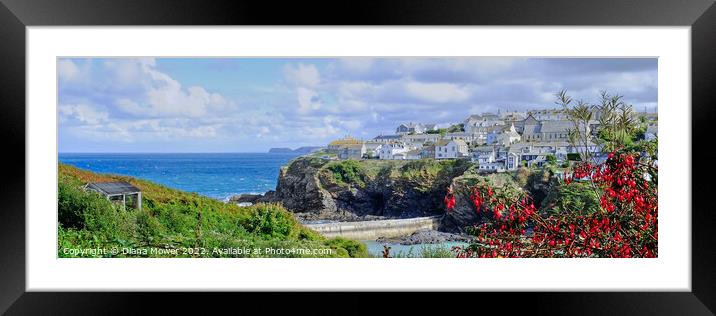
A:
(172, 219)
(347, 172)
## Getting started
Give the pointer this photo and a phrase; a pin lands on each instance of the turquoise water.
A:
(398, 250)
(215, 175)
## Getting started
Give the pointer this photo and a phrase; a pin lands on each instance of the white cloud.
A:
(351, 124)
(137, 100)
(305, 79)
(138, 103)
(67, 70)
(302, 75)
(83, 113)
(357, 64)
(161, 95)
(307, 100)
(437, 92)
(148, 130)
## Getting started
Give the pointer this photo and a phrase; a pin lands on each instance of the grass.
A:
(578, 197)
(421, 174)
(427, 251)
(173, 219)
(347, 172)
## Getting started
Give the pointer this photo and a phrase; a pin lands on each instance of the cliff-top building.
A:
(335, 146)
(414, 128)
(450, 149)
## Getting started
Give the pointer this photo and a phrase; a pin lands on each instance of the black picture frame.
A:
(16, 15)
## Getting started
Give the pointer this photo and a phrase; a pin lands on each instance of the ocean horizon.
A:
(216, 175)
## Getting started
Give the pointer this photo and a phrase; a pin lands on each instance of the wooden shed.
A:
(118, 192)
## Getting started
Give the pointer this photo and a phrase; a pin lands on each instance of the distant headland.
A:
(299, 150)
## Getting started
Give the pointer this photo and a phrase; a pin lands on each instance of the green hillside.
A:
(173, 223)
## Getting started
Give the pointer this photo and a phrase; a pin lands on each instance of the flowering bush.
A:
(625, 224)
(450, 200)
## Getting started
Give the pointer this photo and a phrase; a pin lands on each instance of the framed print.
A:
(404, 147)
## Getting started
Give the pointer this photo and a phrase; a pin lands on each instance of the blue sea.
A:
(218, 175)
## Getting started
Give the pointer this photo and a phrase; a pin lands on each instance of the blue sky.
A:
(253, 104)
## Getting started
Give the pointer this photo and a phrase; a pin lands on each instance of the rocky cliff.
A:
(315, 189)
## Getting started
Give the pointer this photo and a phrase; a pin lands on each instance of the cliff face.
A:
(464, 214)
(341, 190)
(315, 188)
(299, 189)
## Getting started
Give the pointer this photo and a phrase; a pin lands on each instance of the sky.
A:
(253, 104)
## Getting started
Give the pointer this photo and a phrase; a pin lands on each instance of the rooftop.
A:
(345, 141)
(112, 188)
(556, 126)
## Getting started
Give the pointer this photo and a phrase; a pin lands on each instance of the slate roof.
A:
(388, 137)
(112, 188)
(556, 126)
(531, 129)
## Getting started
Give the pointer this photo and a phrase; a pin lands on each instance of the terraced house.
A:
(495, 142)
(450, 149)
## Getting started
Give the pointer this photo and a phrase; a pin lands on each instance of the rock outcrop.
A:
(464, 214)
(299, 190)
(246, 198)
(308, 188)
(388, 189)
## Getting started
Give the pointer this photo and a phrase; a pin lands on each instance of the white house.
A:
(414, 154)
(492, 166)
(372, 148)
(474, 122)
(512, 116)
(467, 137)
(446, 149)
(418, 140)
(411, 128)
(387, 138)
(484, 155)
(351, 151)
(505, 137)
(393, 151)
(512, 161)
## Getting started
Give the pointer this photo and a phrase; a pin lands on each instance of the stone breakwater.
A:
(372, 230)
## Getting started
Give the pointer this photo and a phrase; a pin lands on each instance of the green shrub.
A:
(354, 249)
(80, 209)
(436, 251)
(170, 218)
(149, 229)
(577, 197)
(551, 159)
(270, 221)
(423, 167)
(73, 204)
(178, 218)
(347, 172)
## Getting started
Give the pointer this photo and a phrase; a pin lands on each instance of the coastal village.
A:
(496, 142)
